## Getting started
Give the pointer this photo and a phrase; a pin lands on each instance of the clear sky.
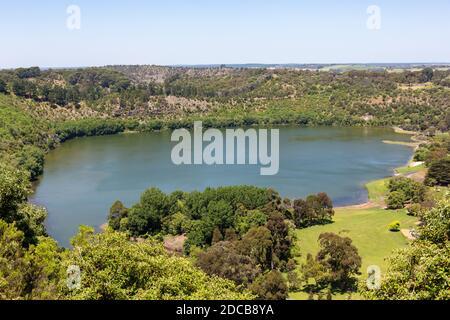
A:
(222, 31)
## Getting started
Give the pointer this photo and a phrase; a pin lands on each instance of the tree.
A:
(257, 243)
(58, 95)
(303, 214)
(315, 270)
(293, 280)
(249, 219)
(281, 242)
(439, 173)
(396, 200)
(31, 159)
(12, 280)
(271, 286)
(145, 217)
(176, 224)
(24, 73)
(418, 272)
(3, 86)
(14, 190)
(436, 221)
(225, 261)
(427, 75)
(116, 213)
(413, 192)
(19, 87)
(220, 214)
(326, 207)
(340, 258)
(317, 209)
(33, 273)
(114, 268)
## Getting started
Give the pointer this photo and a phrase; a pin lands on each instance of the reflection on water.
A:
(85, 176)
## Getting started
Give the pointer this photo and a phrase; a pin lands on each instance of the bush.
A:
(415, 210)
(413, 191)
(396, 200)
(421, 154)
(394, 226)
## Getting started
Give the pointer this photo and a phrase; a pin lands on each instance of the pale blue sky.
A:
(222, 31)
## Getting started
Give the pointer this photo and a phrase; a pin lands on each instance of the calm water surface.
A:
(85, 176)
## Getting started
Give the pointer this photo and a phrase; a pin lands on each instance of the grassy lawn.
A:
(368, 228)
(407, 170)
(377, 190)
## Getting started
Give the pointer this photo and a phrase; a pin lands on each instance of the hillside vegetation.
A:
(236, 242)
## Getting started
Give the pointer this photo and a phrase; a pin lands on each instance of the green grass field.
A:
(368, 228)
(377, 190)
(407, 170)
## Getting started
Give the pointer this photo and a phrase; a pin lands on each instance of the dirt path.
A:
(407, 234)
(367, 205)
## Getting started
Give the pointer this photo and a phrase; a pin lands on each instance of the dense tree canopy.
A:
(114, 268)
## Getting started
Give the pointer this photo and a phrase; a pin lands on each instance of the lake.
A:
(83, 177)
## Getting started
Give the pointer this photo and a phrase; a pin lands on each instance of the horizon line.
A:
(290, 64)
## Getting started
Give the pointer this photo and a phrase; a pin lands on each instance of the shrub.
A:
(421, 154)
(413, 191)
(394, 226)
(396, 200)
(415, 210)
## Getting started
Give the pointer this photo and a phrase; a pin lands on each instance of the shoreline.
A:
(414, 144)
(363, 205)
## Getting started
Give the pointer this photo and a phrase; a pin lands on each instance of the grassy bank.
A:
(368, 228)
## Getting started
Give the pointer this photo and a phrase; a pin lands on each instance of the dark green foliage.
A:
(258, 244)
(31, 159)
(19, 87)
(271, 286)
(224, 260)
(14, 190)
(281, 242)
(439, 173)
(427, 75)
(116, 214)
(24, 73)
(145, 217)
(337, 263)
(90, 127)
(317, 209)
(3, 86)
(248, 219)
